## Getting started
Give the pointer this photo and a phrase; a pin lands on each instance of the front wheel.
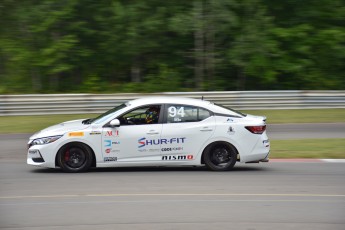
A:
(220, 157)
(75, 157)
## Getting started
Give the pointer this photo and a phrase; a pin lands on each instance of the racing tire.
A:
(220, 156)
(75, 157)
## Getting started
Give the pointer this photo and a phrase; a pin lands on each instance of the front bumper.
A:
(42, 155)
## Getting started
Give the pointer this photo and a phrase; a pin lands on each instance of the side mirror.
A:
(115, 123)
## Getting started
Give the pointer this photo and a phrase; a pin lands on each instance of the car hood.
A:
(61, 129)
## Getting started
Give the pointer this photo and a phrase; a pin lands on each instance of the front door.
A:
(137, 139)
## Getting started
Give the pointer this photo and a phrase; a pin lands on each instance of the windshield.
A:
(106, 115)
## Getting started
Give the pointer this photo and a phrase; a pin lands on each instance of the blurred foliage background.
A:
(100, 46)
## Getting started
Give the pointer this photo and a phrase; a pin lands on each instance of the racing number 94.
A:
(173, 111)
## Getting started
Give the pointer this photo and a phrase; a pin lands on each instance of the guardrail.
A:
(40, 104)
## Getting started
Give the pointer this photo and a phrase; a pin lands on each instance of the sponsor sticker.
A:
(146, 142)
(95, 133)
(177, 157)
(76, 134)
(110, 158)
(230, 120)
(148, 150)
(231, 130)
(266, 143)
(107, 143)
(112, 133)
(172, 149)
(107, 151)
(34, 153)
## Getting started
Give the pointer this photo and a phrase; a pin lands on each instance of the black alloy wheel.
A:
(220, 157)
(75, 157)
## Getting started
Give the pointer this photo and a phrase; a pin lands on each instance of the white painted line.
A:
(334, 160)
(168, 201)
(168, 194)
(295, 160)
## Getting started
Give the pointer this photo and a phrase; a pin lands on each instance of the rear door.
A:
(185, 130)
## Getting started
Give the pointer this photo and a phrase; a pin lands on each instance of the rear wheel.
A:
(75, 157)
(220, 157)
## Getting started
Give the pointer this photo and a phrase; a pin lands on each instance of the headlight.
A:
(44, 140)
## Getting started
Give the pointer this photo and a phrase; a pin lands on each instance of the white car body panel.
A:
(163, 144)
(63, 127)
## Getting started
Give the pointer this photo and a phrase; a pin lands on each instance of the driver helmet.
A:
(152, 115)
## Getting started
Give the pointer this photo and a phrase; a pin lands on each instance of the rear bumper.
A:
(260, 152)
(267, 159)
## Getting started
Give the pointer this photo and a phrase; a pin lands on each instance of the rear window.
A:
(221, 109)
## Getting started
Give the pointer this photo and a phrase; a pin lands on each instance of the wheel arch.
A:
(93, 164)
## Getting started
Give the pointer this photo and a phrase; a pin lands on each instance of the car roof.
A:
(182, 101)
(168, 100)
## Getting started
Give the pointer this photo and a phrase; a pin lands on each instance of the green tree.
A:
(145, 46)
(310, 36)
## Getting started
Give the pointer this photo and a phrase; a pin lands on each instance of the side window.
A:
(182, 113)
(141, 116)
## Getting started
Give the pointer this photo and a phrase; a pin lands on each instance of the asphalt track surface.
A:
(275, 195)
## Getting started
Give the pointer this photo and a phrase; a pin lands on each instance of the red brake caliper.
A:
(67, 155)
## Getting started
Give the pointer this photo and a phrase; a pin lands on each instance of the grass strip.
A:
(308, 148)
(31, 124)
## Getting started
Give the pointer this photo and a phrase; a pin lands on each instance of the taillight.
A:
(256, 129)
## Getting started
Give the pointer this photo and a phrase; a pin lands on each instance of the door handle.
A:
(206, 129)
(152, 132)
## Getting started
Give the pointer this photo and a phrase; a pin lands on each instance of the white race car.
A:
(153, 131)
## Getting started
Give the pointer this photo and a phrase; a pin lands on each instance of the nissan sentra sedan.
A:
(153, 131)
